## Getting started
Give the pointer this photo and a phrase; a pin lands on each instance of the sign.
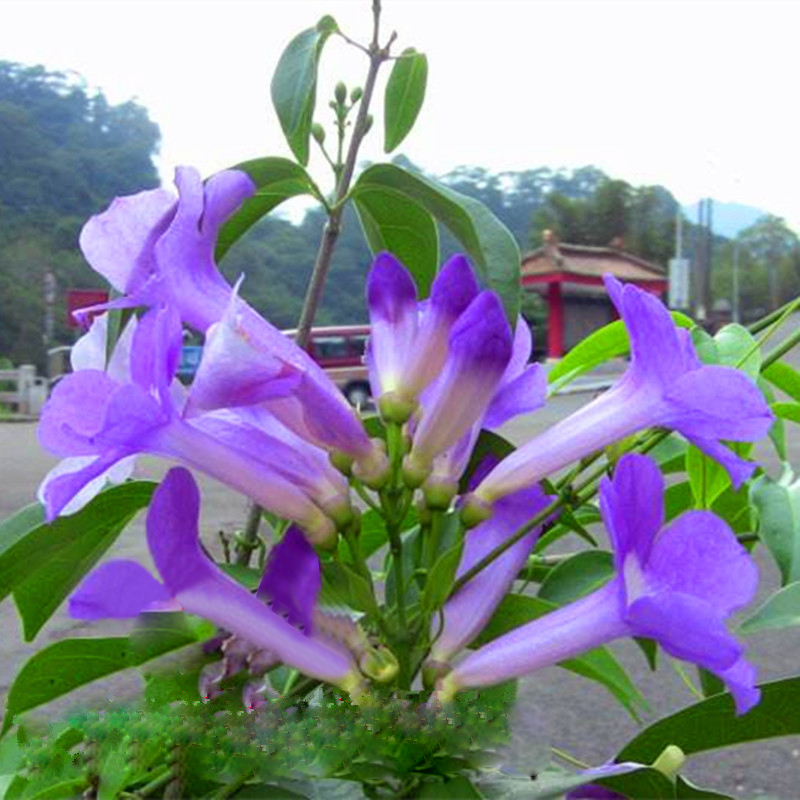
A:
(679, 283)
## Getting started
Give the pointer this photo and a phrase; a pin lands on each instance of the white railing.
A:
(21, 391)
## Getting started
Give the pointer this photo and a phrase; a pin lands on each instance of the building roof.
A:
(583, 261)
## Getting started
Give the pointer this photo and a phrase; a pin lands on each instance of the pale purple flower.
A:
(467, 612)
(676, 584)
(157, 249)
(409, 340)
(665, 385)
(521, 390)
(480, 348)
(247, 363)
(90, 414)
(193, 582)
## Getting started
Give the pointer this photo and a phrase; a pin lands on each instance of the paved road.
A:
(555, 706)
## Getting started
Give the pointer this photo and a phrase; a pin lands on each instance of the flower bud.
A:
(342, 462)
(415, 472)
(379, 664)
(340, 93)
(355, 95)
(394, 408)
(670, 761)
(439, 493)
(474, 511)
(318, 132)
(368, 123)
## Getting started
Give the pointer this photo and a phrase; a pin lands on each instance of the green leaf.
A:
(610, 341)
(642, 784)
(393, 222)
(670, 453)
(570, 522)
(43, 563)
(489, 444)
(788, 411)
(710, 683)
(713, 723)
(736, 347)
(785, 378)
(677, 499)
(489, 243)
(779, 610)
(577, 576)
(459, 788)
(777, 431)
(294, 85)
(373, 534)
(405, 93)
(343, 585)
(66, 665)
(686, 790)
(778, 507)
(598, 664)
(707, 478)
(276, 179)
(551, 782)
(441, 577)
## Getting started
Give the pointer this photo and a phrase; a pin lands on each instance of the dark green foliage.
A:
(389, 745)
(65, 152)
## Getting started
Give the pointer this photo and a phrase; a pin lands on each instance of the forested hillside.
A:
(65, 152)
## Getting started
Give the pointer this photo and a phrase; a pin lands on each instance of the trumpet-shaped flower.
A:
(675, 584)
(191, 581)
(90, 414)
(249, 363)
(409, 340)
(665, 385)
(479, 352)
(467, 612)
(522, 389)
(157, 249)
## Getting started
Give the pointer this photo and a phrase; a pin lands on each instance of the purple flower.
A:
(96, 417)
(409, 340)
(468, 611)
(665, 385)
(521, 390)
(247, 363)
(156, 249)
(676, 585)
(480, 349)
(193, 582)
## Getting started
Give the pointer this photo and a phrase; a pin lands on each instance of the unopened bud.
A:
(340, 93)
(368, 123)
(439, 493)
(379, 663)
(432, 672)
(355, 95)
(341, 462)
(394, 408)
(339, 510)
(318, 132)
(474, 511)
(415, 473)
(670, 761)
(373, 471)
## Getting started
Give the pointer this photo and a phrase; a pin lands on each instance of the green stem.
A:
(232, 788)
(161, 780)
(330, 234)
(764, 322)
(788, 310)
(781, 350)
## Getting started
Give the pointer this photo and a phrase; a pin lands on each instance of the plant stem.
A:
(377, 55)
(762, 323)
(781, 350)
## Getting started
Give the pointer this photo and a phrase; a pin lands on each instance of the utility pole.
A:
(735, 300)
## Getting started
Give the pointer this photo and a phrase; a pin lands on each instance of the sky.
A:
(698, 96)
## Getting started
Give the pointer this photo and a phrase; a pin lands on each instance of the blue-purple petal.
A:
(119, 589)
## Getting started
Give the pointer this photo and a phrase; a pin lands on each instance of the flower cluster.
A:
(262, 417)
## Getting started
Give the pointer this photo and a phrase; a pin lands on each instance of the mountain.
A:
(727, 218)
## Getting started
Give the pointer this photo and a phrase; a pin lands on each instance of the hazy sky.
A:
(699, 96)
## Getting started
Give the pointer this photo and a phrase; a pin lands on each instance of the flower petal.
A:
(119, 590)
(632, 505)
(172, 535)
(292, 579)
(737, 468)
(523, 394)
(686, 627)
(716, 402)
(740, 680)
(119, 242)
(698, 555)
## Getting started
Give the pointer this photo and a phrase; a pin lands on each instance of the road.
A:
(555, 706)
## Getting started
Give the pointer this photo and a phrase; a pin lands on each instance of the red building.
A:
(570, 278)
